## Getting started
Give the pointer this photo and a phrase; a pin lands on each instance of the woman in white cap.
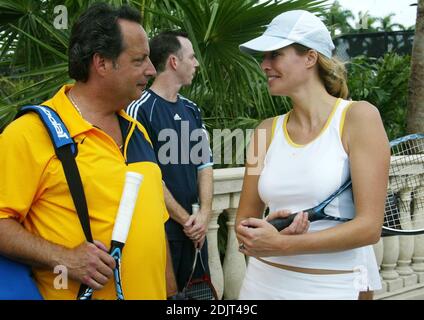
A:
(309, 153)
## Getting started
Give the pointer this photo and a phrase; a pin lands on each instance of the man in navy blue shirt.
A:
(181, 144)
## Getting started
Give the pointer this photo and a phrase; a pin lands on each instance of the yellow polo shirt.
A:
(33, 189)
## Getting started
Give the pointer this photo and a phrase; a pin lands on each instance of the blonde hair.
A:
(331, 71)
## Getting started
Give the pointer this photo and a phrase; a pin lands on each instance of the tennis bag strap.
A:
(65, 149)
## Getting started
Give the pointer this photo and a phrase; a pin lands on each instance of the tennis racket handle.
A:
(282, 223)
(84, 293)
(129, 196)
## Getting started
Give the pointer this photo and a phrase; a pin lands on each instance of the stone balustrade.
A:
(400, 258)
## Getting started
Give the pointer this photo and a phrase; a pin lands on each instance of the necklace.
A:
(74, 103)
(79, 111)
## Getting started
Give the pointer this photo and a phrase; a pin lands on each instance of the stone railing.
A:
(400, 258)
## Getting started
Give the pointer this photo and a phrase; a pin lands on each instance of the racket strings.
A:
(411, 147)
(404, 209)
(200, 288)
(200, 291)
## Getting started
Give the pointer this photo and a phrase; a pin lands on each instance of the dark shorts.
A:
(182, 252)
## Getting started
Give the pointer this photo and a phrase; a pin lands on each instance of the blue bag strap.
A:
(66, 150)
(57, 130)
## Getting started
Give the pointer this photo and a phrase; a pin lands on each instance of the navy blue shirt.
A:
(181, 144)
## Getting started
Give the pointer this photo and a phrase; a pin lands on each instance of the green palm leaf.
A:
(230, 87)
(42, 44)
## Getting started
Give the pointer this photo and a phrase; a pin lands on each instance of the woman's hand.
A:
(259, 238)
(299, 225)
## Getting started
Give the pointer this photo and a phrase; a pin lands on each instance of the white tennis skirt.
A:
(265, 282)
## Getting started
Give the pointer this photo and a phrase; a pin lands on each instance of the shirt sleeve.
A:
(205, 152)
(22, 166)
(139, 111)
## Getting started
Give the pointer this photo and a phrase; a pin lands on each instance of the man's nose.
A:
(150, 70)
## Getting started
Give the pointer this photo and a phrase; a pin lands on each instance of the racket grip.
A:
(282, 223)
(126, 206)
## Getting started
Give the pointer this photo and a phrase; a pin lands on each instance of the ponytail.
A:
(333, 73)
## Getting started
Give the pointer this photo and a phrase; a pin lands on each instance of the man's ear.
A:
(100, 64)
(172, 60)
(311, 58)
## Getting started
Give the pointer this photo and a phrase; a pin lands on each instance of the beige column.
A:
(215, 267)
(391, 250)
(379, 251)
(227, 183)
(406, 243)
(390, 257)
(391, 247)
(388, 264)
(418, 223)
(234, 261)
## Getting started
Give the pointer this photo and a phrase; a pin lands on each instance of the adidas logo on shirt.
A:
(177, 117)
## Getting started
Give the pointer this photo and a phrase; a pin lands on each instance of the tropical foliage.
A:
(384, 83)
(229, 86)
(338, 19)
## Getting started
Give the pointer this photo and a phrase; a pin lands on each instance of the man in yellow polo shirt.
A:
(109, 59)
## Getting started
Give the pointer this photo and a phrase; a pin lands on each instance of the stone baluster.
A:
(390, 258)
(379, 251)
(220, 203)
(418, 223)
(215, 266)
(234, 261)
(406, 243)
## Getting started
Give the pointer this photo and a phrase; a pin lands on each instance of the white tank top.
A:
(298, 177)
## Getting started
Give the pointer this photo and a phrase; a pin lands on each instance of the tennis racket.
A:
(200, 288)
(120, 231)
(404, 208)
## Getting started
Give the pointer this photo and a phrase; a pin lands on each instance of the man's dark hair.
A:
(97, 31)
(163, 45)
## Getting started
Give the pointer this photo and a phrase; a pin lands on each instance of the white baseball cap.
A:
(296, 26)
